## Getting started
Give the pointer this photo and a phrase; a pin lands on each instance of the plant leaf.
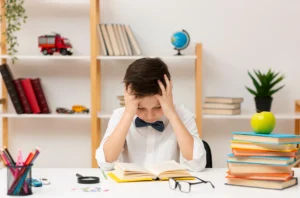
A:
(256, 84)
(276, 81)
(275, 90)
(251, 91)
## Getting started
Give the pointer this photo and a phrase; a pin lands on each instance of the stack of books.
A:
(122, 101)
(219, 105)
(263, 160)
(117, 40)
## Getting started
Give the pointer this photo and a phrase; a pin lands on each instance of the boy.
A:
(150, 128)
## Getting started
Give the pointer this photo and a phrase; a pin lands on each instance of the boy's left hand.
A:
(166, 99)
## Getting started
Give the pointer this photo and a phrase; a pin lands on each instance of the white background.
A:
(236, 35)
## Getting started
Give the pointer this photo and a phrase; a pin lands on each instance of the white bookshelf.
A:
(54, 115)
(183, 57)
(46, 57)
(279, 116)
(104, 115)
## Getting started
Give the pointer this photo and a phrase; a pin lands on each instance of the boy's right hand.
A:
(131, 102)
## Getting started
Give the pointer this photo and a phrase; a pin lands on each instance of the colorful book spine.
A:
(11, 88)
(22, 96)
(26, 83)
(40, 95)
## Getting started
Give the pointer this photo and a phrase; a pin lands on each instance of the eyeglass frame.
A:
(177, 183)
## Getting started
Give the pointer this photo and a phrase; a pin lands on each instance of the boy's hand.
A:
(166, 99)
(131, 102)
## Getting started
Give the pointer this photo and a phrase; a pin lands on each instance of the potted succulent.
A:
(264, 88)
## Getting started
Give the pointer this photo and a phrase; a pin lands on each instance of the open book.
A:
(127, 172)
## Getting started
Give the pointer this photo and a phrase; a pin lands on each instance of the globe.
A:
(180, 40)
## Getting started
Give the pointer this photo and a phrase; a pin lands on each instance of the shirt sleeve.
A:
(198, 162)
(100, 156)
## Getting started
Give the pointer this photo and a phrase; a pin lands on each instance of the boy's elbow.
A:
(196, 165)
(102, 161)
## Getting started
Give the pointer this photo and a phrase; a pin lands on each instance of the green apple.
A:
(263, 122)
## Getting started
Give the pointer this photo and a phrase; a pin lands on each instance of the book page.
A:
(125, 167)
(171, 165)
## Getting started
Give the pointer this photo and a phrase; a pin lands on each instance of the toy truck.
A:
(50, 44)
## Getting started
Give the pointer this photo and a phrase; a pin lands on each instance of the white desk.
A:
(64, 180)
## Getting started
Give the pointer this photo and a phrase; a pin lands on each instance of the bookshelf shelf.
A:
(104, 115)
(41, 57)
(185, 57)
(14, 115)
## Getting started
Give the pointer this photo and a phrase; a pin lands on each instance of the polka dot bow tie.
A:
(158, 125)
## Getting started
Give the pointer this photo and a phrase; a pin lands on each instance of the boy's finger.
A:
(158, 97)
(167, 83)
(162, 87)
(130, 89)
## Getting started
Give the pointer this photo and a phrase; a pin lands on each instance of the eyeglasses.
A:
(185, 186)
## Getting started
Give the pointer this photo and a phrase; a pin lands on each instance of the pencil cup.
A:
(19, 180)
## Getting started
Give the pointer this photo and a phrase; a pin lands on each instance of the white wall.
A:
(236, 35)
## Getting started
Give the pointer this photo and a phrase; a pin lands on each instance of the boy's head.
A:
(143, 75)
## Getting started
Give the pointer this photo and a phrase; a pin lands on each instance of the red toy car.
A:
(50, 44)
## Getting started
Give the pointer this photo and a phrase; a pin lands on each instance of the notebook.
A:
(130, 172)
(273, 138)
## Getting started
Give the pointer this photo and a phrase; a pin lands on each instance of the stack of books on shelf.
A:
(122, 101)
(26, 94)
(117, 40)
(263, 160)
(218, 105)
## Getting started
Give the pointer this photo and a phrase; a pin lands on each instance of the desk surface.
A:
(63, 182)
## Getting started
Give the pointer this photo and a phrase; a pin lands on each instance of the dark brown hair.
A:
(143, 75)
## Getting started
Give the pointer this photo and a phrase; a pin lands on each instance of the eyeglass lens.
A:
(172, 183)
(184, 186)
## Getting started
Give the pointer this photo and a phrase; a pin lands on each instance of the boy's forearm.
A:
(184, 138)
(115, 142)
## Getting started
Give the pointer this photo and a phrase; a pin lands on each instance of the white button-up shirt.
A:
(145, 145)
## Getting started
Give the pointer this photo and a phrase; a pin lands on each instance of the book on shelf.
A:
(26, 94)
(220, 105)
(122, 101)
(223, 99)
(209, 105)
(263, 160)
(23, 98)
(222, 111)
(130, 172)
(117, 40)
(8, 78)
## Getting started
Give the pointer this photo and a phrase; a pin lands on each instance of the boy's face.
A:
(149, 109)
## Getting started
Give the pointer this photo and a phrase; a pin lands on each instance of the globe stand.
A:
(178, 52)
